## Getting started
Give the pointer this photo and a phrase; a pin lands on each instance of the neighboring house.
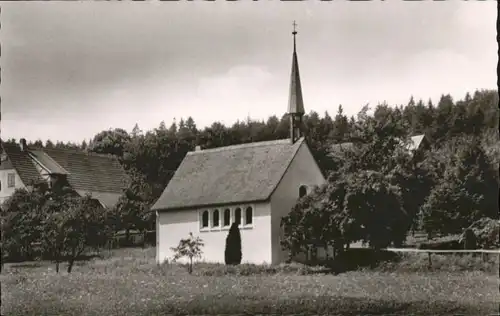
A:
(415, 145)
(99, 175)
(253, 184)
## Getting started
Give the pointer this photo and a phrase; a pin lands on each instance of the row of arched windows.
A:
(214, 219)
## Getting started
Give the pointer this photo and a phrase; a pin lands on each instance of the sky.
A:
(73, 69)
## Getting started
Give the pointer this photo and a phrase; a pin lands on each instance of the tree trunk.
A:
(127, 237)
(190, 268)
(74, 254)
(57, 266)
(70, 264)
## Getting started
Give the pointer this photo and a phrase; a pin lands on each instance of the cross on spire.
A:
(294, 33)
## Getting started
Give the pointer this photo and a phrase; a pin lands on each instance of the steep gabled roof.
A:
(89, 172)
(233, 174)
(22, 163)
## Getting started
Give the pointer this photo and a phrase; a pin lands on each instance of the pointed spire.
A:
(295, 101)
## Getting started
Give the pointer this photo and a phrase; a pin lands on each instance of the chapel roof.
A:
(227, 175)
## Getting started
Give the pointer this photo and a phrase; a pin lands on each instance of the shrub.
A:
(232, 253)
(486, 231)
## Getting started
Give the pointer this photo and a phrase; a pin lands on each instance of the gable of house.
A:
(101, 176)
(22, 163)
(234, 174)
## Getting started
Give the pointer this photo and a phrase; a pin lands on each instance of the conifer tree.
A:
(232, 253)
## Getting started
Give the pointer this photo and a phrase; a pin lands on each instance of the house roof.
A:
(108, 199)
(47, 162)
(413, 144)
(90, 172)
(233, 174)
(86, 172)
(22, 163)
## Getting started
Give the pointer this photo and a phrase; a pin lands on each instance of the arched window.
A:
(237, 215)
(302, 191)
(248, 216)
(215, 218)
(204, 219)
(227, 217)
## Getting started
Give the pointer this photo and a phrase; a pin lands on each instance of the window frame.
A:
(249, 207)
(224, 218)
(202, 227)
(11, 180)
(215, 211)
(240, 217)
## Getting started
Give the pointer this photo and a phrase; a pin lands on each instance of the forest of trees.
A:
(441, 191)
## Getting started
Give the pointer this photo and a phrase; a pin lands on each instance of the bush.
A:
(486, 231)
(232, 253)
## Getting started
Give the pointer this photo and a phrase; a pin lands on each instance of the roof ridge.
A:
(241, 146)
(80, 152)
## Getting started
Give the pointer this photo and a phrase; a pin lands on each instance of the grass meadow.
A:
(128, 282)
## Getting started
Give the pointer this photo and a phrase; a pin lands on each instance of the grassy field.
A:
(127, 282)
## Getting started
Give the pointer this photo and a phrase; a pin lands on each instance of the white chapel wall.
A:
(302, 171)
(256, 238)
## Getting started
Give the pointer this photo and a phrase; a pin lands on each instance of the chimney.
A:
(197, 148)
(22, 144)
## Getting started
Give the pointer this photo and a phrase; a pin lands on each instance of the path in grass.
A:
(134, 286)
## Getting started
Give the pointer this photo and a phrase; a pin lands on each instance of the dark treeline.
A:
(157, 153)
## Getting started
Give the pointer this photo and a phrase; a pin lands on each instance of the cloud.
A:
(75, 68)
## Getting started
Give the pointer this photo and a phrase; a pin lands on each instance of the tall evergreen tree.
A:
(232, 253)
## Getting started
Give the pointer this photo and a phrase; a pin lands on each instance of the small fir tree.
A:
(232, 254)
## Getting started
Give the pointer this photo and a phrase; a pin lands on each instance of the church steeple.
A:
(295, 101)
